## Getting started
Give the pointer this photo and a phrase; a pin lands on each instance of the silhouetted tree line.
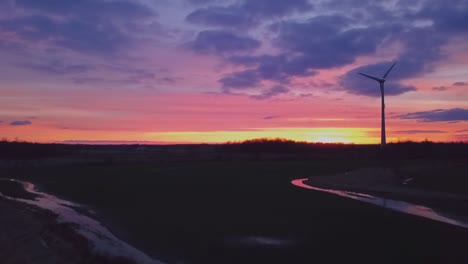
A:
(426, 149)
(259, 148)
(401, 150)
(24, 150)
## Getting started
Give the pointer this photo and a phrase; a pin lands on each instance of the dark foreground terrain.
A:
(239, 207)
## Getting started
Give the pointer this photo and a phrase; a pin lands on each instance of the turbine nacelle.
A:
(380, 80)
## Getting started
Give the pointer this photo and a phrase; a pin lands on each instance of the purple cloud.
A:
(20, 123)
(356, 84)
(70, 33)
(88, 8)
(88, 26)
(439, 115)
(275, 8)
(274, 68)
(221, 42)
(322, 42)
(56, 67)
(274, 91)
(271, 117)
(419, 132)
(77, 35)
(330, 41)
(240, 80)
(325, 41)
(246, 13)
(422, 48)
(460, 84)
(439, 88)
(221, 16)
(201, 2)
(451, 18)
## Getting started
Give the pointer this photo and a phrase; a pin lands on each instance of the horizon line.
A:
(165, 143)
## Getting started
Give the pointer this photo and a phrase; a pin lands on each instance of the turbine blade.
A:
(371, 77)
(385, 76)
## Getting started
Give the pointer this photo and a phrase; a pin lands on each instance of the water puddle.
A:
(400, 206)
(104, 242)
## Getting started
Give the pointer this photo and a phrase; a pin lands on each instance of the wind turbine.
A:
(383, 140)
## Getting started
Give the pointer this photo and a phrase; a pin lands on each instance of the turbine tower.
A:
(383, 140)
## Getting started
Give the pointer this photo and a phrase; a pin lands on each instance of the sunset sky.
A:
(178, 71)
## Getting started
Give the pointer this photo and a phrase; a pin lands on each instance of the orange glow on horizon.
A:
(316, 134)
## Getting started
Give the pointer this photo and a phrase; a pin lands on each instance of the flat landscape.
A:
(233, 131)
(226, 209)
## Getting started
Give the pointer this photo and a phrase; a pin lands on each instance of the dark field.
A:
(201, 211)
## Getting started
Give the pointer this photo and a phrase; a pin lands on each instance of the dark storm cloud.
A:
(20, 123)
(220, 42)
(419, 132)
(460, 84)
(246, 13)
(439, 115)
(274, 91)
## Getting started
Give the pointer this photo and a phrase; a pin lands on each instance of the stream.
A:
(400, 206)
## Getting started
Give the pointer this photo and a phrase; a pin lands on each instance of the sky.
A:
(212, 71)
